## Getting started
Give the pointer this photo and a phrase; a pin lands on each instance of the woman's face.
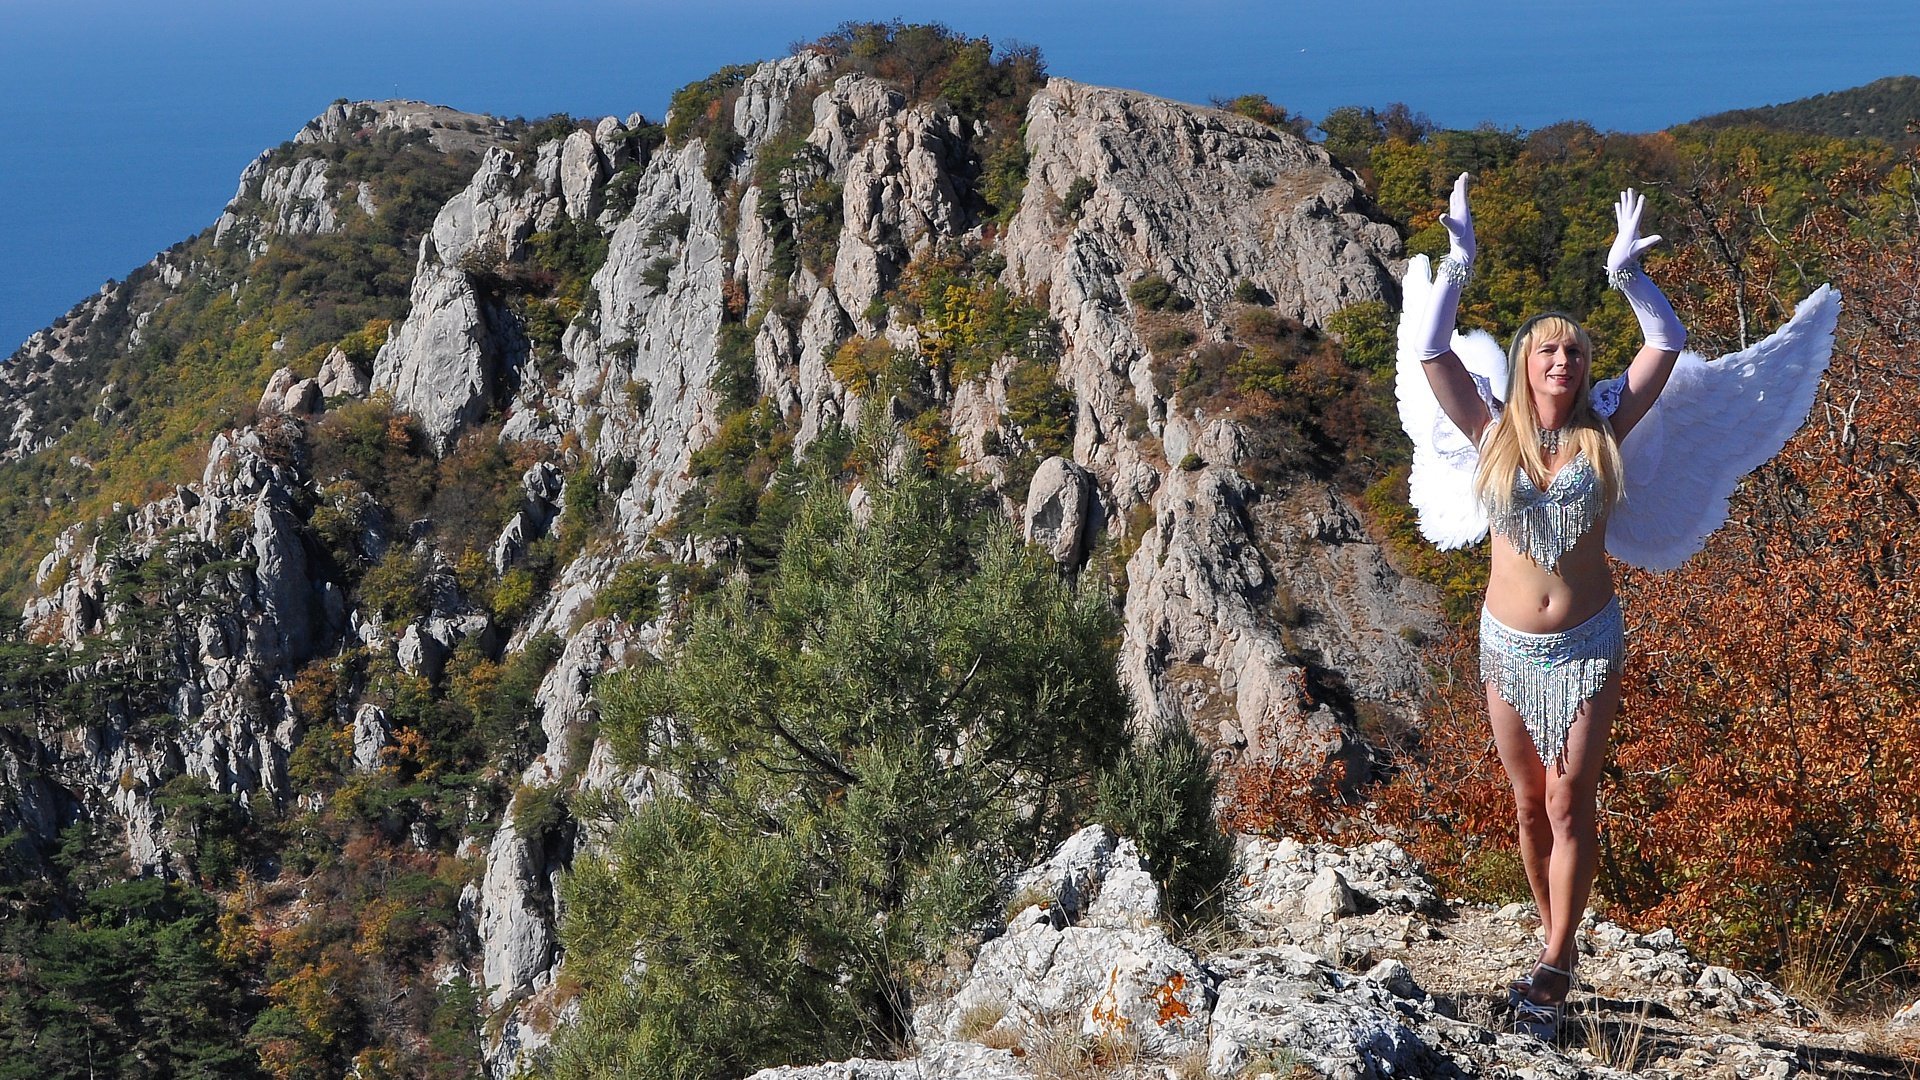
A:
(1556, 368)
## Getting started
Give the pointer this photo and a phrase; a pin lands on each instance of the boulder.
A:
(514, 916)
(442, 362)
(1096, 878)
(341, 377)
(942, 1061)
(421, 652)
(1285, 880)
(582, 176)
(1102, 982)
(1058, 500)
(272, 399)
(1298, 1008)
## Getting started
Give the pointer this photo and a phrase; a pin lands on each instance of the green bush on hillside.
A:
(916, 705)
(1162, 797)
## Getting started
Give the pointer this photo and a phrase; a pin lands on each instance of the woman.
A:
(1551, 633)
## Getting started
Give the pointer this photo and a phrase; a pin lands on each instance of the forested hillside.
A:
(1883, 109)
(617, 597)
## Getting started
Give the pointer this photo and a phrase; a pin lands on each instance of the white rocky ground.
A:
(1332, 962)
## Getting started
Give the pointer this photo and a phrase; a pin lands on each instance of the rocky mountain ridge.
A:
(1257, 610)
(306, 187)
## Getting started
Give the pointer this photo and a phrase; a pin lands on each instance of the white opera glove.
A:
(1658, 324)
(1450, 276)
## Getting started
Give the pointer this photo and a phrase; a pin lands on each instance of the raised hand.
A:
(1441, 303)
(1627, 242)
(1459, 224)
(1426, 328)
(1657, 320)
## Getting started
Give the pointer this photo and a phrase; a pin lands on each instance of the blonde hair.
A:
(1515, 440)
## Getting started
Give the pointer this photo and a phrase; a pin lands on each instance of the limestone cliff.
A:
(1257, 610)
(1206, 200)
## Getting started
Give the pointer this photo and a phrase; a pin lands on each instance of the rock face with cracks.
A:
(691, 283)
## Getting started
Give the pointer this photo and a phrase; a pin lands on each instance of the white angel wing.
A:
(1440, 483)
(1713, 424)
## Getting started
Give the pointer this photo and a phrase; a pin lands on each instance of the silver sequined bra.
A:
(1544, 525)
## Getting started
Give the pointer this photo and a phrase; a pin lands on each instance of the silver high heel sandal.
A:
(1540, 1020)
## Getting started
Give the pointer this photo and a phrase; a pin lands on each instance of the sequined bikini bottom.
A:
(1546, 677)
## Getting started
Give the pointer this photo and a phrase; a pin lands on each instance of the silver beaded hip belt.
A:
(1546, 677)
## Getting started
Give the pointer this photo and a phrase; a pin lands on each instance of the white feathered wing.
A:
(1714, 422)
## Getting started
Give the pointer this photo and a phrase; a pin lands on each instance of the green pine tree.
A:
(912, 706)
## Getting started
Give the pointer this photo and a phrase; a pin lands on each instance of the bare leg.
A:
(1557, 818)
(1572, 815)
(1529, 780)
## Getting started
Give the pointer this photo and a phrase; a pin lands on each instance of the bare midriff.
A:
(1533, 600)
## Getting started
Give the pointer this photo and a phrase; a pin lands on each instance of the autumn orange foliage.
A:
(1764, 781)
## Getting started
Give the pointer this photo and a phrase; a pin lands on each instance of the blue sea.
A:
(124, 125)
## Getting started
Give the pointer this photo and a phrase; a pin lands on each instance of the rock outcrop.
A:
(294, 195)
(1277, 211)
(443, 365)
(340, 377)
(34, 806)
(443, 128)
(1390, 981)
(1211, 202)
(231, 605)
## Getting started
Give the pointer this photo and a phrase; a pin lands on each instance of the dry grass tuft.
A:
(1211, 930)
(1623, 1044)
(1903, 1043)
(1279, 1064)
(977, 1020)
(1031, 896)
(1004, 1038)
(1058, 1050)
(1191, 1065)
(1820, 958)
